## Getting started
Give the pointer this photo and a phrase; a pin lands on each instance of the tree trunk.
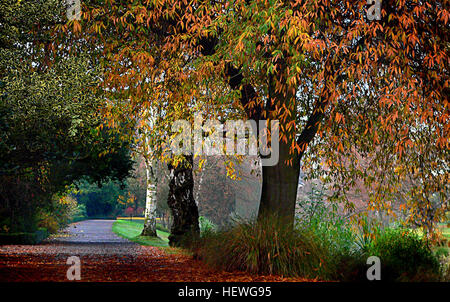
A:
(280, 182)
(150, 202)
(279, 187)
(182, 204)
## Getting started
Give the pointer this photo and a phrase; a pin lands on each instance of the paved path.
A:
(89, 231)
(105, 257)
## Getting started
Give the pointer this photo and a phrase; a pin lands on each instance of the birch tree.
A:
(151, 175)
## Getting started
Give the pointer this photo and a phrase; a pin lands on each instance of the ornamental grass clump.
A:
(266, 246)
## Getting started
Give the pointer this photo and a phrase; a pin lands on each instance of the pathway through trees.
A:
(106, 257)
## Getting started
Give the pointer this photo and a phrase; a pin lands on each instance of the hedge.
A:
(24, 238)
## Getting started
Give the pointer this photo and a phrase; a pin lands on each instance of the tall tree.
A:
(49, 115)
(138, 80)
(341, 84)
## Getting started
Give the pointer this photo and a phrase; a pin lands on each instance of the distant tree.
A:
(103, 200)
(129, 212)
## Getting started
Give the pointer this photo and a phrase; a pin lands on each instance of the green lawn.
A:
(445, 230)
(131, 230)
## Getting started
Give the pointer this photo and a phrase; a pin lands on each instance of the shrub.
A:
(404, 256)
(445, 268)
(49, 222)
(269, 246)
(80, 211)
(206, 225)
(346, 254)
(441, 252)
(59, 213)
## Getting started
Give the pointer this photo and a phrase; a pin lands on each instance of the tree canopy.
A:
(358, 99)
(49, 115)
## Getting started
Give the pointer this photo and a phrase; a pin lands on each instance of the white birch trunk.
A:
(150, 196)
(150, 202)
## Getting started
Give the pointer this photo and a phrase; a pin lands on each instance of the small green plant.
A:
(445, 268)
(324, 219)
(366, 231)
(58, 214)
(206, 225)
(404, 256)
(346, 258)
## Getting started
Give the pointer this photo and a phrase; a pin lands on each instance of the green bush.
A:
(206, 225)
(323, 244)
(366, 231)
(59, 213)
(80, 210)
(346, 255)
(49, 222)
(441, 252)
(404, 256)
(445, 268)
(265, 247)
(324, 219)
(79, 214)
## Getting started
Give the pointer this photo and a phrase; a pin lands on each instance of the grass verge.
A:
(131, 230)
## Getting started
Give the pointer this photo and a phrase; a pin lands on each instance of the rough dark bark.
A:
(280, 182)
(279, 186)
(182, 204)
